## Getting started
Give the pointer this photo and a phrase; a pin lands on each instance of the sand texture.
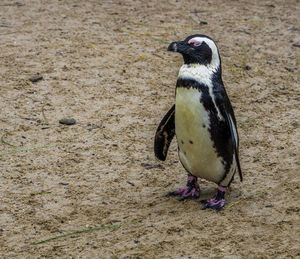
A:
(105, 64)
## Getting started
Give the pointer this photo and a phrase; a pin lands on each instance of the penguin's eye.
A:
(194, 42)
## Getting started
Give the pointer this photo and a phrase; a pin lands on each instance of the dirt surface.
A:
(105, 64)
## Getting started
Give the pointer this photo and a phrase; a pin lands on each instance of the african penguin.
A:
(202, 120)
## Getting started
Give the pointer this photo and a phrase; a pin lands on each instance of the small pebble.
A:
(34, 79)
(150, 166)
(67, 121)
(246, 67)
(132, 184)
(289, 69)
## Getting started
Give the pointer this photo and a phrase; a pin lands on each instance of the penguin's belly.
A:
(192, 127)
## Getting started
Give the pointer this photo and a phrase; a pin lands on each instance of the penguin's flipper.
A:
(164, 134)
(227, 112)
(233, 133)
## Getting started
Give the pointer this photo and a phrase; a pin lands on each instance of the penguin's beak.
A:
(173, 46)
(177, 46)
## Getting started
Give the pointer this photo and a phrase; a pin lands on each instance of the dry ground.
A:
(105, 64)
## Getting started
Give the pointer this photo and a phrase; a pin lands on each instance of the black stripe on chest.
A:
(219, 131)
(206, 98)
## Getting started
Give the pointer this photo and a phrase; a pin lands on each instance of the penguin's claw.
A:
(213, 204)
(218, 202)
(186, 192)
(191, 191)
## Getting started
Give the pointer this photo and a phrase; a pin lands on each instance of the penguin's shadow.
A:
(207, 193)
(210, 192)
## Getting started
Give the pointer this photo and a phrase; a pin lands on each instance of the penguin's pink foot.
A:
(216, 203)
(191, 191)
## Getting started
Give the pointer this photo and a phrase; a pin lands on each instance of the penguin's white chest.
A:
(192, 125)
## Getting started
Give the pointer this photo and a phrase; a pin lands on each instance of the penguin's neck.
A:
(202, 78)
(200, 73)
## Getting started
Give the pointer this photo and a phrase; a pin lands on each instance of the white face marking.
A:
(215, 60)
(195, 42)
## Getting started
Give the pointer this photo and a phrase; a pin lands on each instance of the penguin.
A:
(203, 121)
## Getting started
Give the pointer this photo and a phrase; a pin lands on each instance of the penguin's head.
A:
(198, 49)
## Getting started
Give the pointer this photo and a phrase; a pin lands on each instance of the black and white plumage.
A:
(202, 120)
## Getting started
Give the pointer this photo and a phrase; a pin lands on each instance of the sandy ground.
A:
(105, 64)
